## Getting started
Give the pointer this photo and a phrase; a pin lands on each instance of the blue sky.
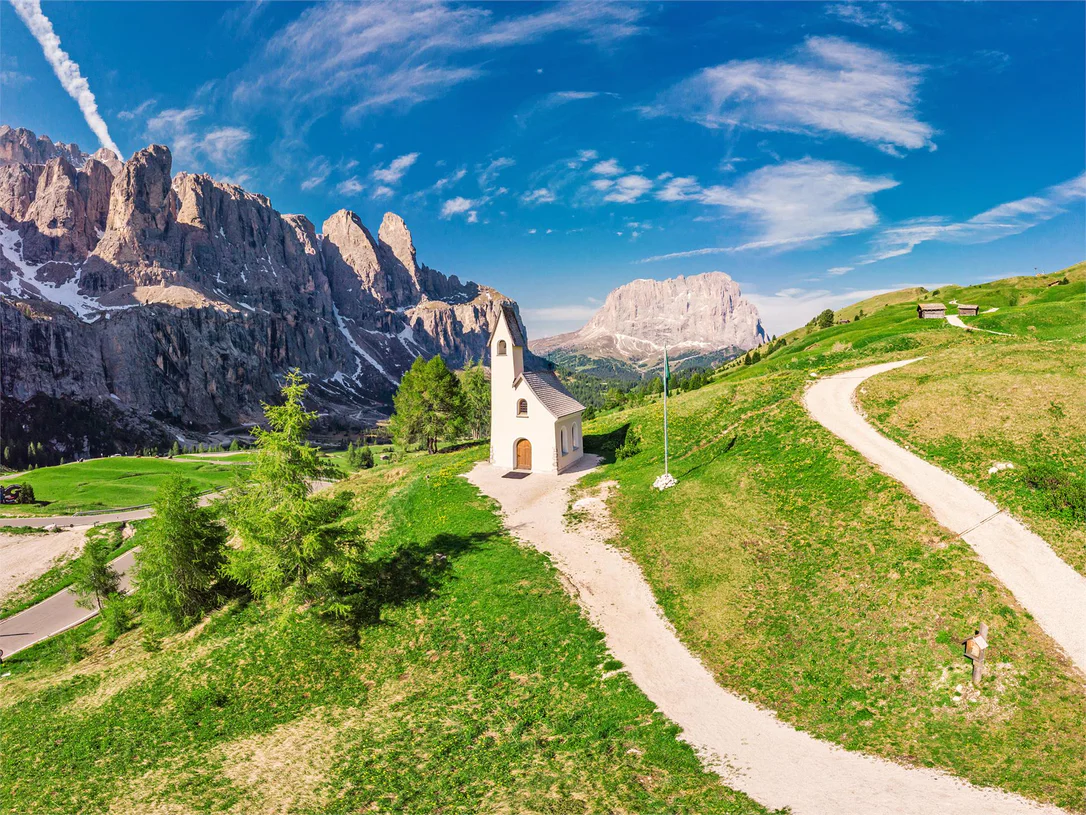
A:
(816, 152)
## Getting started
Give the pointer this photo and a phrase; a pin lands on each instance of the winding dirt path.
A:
(747, 746)
(1053, 592)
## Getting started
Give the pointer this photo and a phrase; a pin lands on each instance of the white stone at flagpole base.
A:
(665, 481)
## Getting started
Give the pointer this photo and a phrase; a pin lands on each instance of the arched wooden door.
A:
(524, 455)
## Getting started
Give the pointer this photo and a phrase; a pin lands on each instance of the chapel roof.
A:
(510, 312)
(555, 398)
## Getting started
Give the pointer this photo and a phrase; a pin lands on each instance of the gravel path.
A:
(749, 747)
(1049, 589)
(24, 557)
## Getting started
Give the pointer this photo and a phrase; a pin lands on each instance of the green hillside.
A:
(815, 585)
(484, 688)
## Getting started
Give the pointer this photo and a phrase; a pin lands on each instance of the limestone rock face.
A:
(175, 304)
(702, 315)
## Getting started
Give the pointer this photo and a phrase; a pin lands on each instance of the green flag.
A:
(667, 370)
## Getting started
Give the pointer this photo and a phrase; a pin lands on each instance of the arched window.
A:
(576, 436)
(565, 449)
(522, 407)
(501, 348)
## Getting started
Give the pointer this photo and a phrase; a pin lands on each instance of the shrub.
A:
(117, 617)
(26, 494)
(630, 447)
(1062, 494)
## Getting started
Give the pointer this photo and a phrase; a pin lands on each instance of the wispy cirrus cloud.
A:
(223, 146)
(870, 15)
(828, 86)
(361, 57)
(786, 205)
(998, 222)
(66, 69)
(394, 172)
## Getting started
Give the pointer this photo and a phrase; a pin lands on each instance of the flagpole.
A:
(666, 372)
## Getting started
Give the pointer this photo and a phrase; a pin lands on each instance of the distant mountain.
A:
(701, 319)
(139, 305)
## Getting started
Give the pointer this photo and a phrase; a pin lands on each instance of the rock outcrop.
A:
(181, 301)
(701, 316)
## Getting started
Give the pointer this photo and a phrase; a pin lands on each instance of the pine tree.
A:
(93, 579)
(365, 458)
(182, 551)
(292, 546)
(476, 389)
(234, 446)
(175, 450)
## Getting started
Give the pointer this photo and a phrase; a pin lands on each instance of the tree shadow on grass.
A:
(725, 448)
(408, 575)
(605, 444)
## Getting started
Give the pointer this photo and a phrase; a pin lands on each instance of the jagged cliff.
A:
(176, 303)
(700, 317)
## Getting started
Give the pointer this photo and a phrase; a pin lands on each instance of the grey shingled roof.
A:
(932, 306)
(514, 326)
(555, 398)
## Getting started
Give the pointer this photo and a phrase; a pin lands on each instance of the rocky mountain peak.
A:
(395, 234)
(700, 315)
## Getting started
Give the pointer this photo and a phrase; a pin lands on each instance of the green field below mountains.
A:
(811, 583)
(111, 483)
(484, 689)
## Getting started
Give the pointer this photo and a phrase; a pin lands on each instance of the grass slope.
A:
(815, 585)
(111, 483)
(484, 691)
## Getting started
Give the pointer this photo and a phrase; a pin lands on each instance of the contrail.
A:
(65, 68)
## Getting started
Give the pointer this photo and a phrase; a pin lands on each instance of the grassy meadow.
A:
(484, 689)
(814, 585)
(111, 483)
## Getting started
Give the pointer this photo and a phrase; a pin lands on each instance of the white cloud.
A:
(802, 201)
(396, 169)
(66, 69)
(837, 271)
(350, 186)
(870, 15)
(176, 127)
(552, 101)
(539, 196)
(999, 222)
(587, 155)
(224, 144)
(603, 184)
(319, 168)
(457, 206)
(549, 320)
(357, 57)
(383, 192)
(608, 167)
(449, 180)
(829, 85)
(473, 216)
(138, 112)
(683, 188)
(628, 189)
(488, 174)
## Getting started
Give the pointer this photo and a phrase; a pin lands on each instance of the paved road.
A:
(56, 614)
(748, 746)
(76, 520)
(1053, 592)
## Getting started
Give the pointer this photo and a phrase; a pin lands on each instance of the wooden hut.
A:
(931, 311)
(968, 311)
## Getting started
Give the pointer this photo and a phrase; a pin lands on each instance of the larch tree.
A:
(429, 405)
